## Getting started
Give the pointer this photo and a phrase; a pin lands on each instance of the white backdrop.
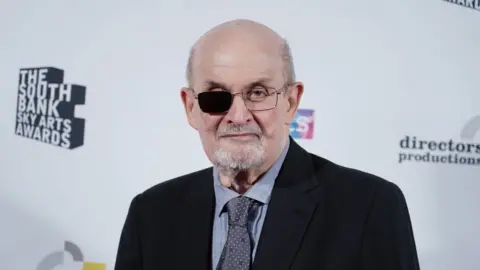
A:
(374, 71)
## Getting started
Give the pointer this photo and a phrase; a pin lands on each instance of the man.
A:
(266, 204)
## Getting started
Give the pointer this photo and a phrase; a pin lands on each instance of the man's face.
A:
(241, 138)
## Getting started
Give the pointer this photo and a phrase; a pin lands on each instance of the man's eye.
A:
(258, 92)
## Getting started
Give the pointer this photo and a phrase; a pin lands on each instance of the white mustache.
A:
(238, 129)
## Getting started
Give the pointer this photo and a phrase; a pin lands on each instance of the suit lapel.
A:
(290, 210)
(195, 228)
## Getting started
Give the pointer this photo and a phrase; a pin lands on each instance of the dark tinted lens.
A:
(215, 102)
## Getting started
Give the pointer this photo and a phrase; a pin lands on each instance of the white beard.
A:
(248, 156)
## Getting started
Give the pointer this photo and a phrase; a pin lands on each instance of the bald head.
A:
(241, 39)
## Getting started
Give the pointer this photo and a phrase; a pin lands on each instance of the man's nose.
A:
(238, 113)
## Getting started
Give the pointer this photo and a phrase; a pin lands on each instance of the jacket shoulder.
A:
(350, 190)
(342, 177)
(175, 188)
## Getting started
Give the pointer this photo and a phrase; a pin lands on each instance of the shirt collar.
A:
(261, 191)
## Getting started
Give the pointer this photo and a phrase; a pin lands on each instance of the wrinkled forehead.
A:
(237, 70)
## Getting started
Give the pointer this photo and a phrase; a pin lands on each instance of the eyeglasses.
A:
(258, 98)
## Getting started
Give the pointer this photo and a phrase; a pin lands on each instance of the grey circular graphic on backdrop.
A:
(58, 257)
(470, 129)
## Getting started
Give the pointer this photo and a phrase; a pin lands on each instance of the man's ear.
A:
(188, 101)
(294, 95)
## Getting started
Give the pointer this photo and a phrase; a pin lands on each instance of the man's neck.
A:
(240, 181)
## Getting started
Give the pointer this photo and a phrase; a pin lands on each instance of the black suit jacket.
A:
(321, 216)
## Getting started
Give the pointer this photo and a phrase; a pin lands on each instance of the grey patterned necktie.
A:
(237, 252)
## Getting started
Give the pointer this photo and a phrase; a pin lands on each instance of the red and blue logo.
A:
(302, 125)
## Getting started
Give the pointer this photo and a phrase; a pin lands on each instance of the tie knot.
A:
(238, 209)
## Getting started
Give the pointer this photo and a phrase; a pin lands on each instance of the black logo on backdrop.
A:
(46, 108)
(464, 151)
(471, 4)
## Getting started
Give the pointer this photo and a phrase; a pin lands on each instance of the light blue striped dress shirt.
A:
(260, 192)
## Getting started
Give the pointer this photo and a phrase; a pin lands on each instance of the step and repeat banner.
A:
(90, 113)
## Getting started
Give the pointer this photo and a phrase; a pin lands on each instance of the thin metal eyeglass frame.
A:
(276, 92)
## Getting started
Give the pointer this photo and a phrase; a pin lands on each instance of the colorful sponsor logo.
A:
(57, 258)
(302, 125)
